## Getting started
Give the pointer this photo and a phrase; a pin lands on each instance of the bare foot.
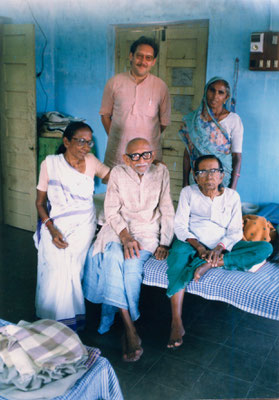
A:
(131, 347)
(200, 271)
(177, 333)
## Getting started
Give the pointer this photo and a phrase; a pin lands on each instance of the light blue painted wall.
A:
(79, 60)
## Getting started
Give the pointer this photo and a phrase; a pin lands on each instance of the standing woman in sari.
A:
(213, 129)
(66, 209)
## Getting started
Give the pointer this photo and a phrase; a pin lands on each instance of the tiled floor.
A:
(227, 353)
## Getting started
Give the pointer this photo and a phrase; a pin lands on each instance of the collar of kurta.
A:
(134, 79)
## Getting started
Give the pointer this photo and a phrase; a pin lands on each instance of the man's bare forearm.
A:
(106, 121)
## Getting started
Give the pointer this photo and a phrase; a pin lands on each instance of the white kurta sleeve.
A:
(237, 134)
(166, 211)
(181, 221)
(234, 232)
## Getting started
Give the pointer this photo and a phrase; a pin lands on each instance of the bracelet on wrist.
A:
(47, 221)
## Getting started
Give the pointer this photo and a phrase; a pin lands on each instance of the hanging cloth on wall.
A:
(235, 81)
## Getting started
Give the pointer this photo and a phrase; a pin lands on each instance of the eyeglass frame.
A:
(142, 57)
(206, 172)
(82, 142)
(140, 155)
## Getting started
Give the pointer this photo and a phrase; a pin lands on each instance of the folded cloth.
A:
(38, 355)
(257, 228)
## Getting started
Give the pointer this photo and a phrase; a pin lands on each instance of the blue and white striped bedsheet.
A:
(99, 382)
(256, 293)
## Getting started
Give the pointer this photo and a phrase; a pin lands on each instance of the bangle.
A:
(222, 244)
(47, 221)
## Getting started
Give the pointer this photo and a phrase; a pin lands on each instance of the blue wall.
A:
(79, 60)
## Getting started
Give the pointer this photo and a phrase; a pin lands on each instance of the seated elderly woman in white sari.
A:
(66, 183)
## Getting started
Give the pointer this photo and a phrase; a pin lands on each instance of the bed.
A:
(254, 292)
(99, 382)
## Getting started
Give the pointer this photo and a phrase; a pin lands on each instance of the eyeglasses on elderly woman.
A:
(82, 142)
(205, 172)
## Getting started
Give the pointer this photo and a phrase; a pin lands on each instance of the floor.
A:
(227, 353)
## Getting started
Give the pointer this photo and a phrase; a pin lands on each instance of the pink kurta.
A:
(136, 110)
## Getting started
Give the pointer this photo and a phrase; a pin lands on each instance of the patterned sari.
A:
(207, 137)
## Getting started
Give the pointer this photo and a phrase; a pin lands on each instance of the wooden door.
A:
(181, 63)
(18, 125)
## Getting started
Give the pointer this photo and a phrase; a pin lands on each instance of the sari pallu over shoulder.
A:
(197, 133)
(70, 193)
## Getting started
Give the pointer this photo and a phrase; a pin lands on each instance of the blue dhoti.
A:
(113, 281)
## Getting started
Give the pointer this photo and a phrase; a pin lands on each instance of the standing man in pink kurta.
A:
(135, 104)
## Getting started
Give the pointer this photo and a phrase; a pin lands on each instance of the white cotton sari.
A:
(59, 293)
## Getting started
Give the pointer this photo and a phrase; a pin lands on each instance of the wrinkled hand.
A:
(131, 248)
(202, 252)
(57, 238)
(214, 256)
(161, 252)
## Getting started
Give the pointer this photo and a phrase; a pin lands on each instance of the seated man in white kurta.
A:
(139, 222)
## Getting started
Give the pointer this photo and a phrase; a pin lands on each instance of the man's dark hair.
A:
(207, 157)
(145, 40)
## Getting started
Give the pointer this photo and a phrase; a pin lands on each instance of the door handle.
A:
(31, 148)
(170, 148)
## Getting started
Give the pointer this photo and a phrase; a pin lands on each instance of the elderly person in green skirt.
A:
(213, 129)
(208, 227)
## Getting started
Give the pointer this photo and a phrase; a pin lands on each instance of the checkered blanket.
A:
(99, 382)
(256, 293)
(30, 347)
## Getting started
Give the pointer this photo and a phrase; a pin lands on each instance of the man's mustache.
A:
(141, 165)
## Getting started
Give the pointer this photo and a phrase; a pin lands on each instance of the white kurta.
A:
(209, 221)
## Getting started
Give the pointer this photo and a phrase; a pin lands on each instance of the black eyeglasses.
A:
(146, 155)
(206, 172)
(82, 142)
